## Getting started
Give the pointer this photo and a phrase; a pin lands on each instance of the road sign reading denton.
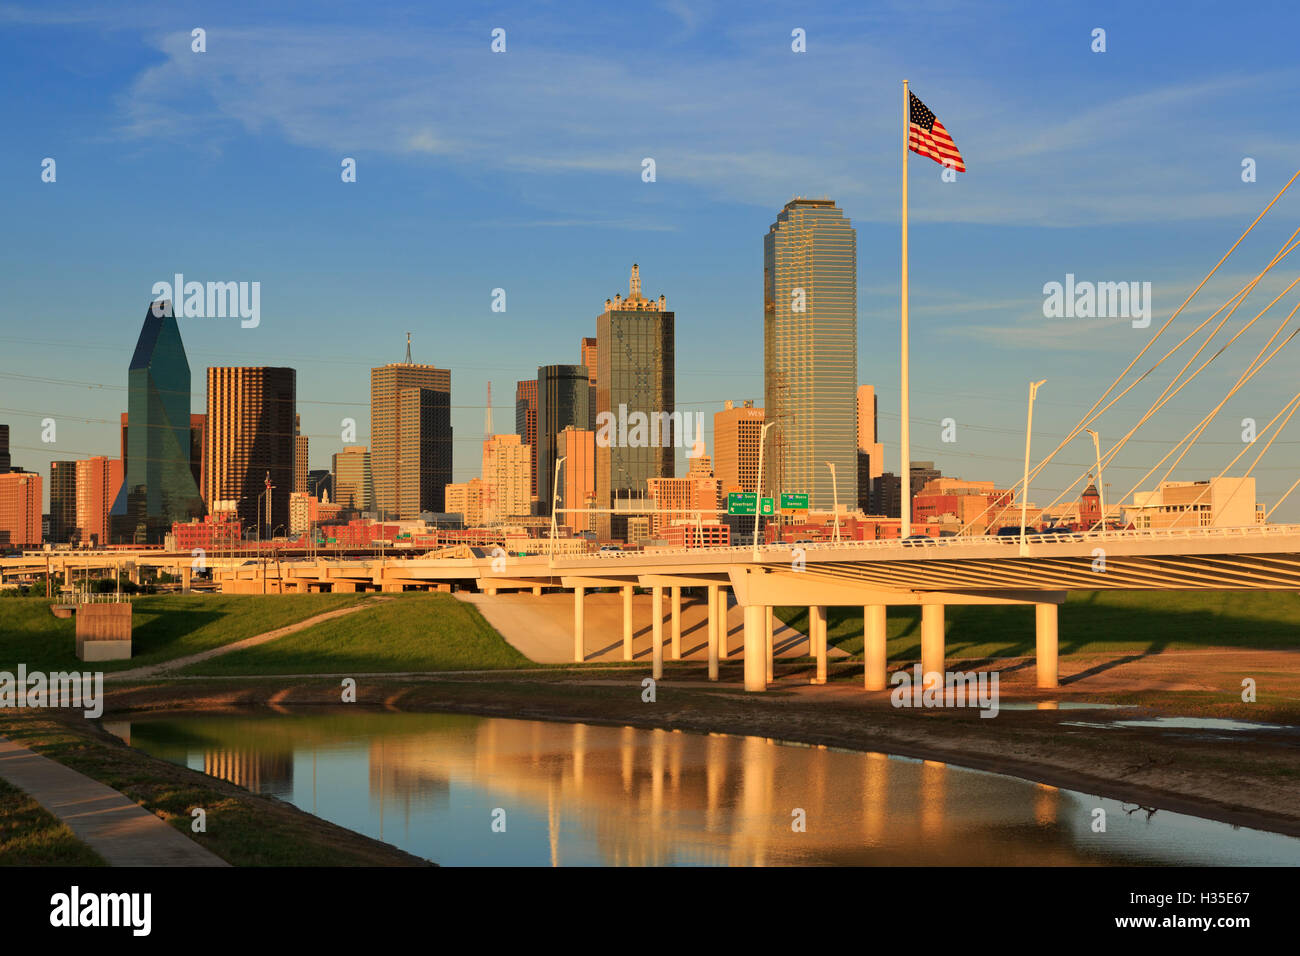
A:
(767, 506)
(742, 503)
(791, 502)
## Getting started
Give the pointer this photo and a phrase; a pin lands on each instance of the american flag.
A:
(926, 135)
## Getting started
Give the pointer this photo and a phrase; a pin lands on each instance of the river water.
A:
(464, 790)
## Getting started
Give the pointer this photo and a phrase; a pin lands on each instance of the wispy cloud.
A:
(748, 127)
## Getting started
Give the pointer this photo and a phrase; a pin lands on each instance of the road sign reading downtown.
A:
(794, 502)
(742, 503)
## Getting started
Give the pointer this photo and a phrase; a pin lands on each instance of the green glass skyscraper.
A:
(810, 353)
(158, 488)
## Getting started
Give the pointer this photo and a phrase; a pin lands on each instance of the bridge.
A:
(874, 575)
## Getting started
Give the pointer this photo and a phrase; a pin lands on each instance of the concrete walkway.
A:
(155, 670)
(541, 627)
(118, 829)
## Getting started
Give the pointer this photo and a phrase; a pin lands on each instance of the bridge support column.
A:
(187, 576)
(537, 590)
(767, 640)
(579, 639)
(627, 622)
(657, 633)
(712, 600)
(1045, 644)
(873, 647)
(755, 659)
(67, 575)
(677, 622)
(931, 643)
(724, 632)
(490, 592)
(817, 638)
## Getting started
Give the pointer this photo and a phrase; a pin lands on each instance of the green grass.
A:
(32, 836)
(1089, 622)
(413, 632)
(164, 626)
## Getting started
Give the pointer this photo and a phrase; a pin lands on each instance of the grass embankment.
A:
(413, 632)
(164, 626)
(31, 836)
(242, 828)
(1090, 622)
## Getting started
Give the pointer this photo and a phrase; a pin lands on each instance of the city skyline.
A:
(982, 248)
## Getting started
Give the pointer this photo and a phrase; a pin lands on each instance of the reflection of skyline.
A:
(260, 771)
(577, 794)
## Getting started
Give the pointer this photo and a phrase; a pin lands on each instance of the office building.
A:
(320, 484)
(353, 487)
(63, 502)
(299, 456)
(98, 481)
(410, 438)
(1226, 502)
(887, 490)
(250, 436)
(736, 434)
(810, 352)
(20, 509)
(465, 498)
(577, 446)
(159, 487)
(563, 397)
(5, 462)
(635, 375)
(588, 355)
(871, 453)
(677, 500)
(507, 475)
(526, 418)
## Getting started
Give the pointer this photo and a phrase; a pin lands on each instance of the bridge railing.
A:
(965, 541)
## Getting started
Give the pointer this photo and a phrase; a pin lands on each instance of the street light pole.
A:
(1024, 491)
(1101, 495)
(555, 500)
(835, 492)
(758, 497)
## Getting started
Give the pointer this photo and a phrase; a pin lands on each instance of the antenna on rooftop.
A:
(487, 421)
(408, 348)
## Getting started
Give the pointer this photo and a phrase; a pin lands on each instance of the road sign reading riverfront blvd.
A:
(746, 503)
(742, 503)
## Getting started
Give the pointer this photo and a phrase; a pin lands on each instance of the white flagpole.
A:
(905, 464)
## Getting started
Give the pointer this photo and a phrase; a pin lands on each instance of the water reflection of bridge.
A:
(665, 797)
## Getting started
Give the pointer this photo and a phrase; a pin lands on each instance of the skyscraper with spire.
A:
(410, 437)
(635, 372)
(158, 488)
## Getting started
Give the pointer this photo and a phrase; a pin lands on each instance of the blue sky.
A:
(522, 171)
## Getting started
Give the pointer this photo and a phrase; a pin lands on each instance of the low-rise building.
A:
(1217, 503)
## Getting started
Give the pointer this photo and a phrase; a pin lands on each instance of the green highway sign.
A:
(794, 502)
(742, 502)
(767, 506)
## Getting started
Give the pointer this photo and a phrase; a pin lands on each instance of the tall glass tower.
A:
(810, 353)
(563, 400)
(158, 488)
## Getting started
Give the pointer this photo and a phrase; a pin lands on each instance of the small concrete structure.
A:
(104, 632)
